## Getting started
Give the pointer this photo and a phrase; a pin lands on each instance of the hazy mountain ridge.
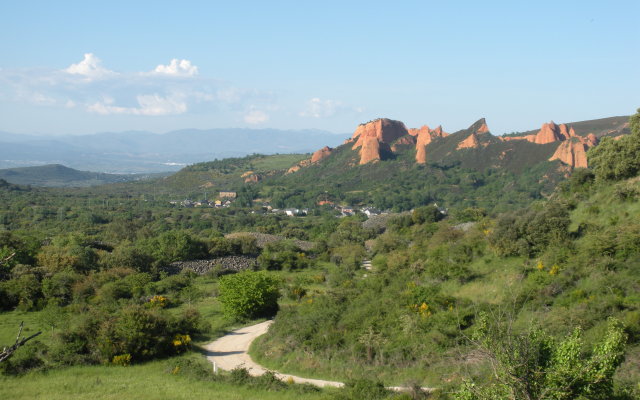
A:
(139, 151)
(56, 175)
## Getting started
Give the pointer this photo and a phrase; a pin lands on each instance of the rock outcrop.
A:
(479, 127)
(370, 150)
(375, 136)
(298, 166)
(572, 152)
(424, 137)
(406, 140)
(321, 154)
(572, 148)
(550, 133)
(376, 139)
(226, 264)
(471, 142)
(383, 129)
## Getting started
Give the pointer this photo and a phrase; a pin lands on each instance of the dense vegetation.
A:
(471, 303)
(569, 262)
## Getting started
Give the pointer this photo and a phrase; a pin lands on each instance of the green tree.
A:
(618, 159)
(424, 214)
(249, 294)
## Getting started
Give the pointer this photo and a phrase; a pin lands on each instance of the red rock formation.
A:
(483, 128)
(548, 133)
(424, 137)
(370, 150)
(383, 129)
(321, 154)
(416, 131)
(406, 140)
(471, 142)
(421, 154)
(572, 153)
(371, 136)
(551, 132)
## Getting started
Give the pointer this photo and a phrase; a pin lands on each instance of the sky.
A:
(80, 67)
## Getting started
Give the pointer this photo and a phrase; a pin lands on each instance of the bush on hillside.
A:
(249, 295)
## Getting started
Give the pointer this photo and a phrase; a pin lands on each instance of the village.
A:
(226, 199)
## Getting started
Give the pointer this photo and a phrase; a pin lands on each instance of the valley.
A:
(464, 237)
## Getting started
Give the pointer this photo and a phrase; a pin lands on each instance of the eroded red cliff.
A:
(572, 152)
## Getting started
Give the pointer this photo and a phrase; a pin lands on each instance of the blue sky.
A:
(85, 67)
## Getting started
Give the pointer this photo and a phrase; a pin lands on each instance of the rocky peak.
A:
(383, 129)
(480, 126)
(550, 133)
(376, 135)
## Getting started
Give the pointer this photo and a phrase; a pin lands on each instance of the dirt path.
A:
(231, 351)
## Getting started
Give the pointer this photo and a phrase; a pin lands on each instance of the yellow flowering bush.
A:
(159, 301)
(122, 360)
(181, 342)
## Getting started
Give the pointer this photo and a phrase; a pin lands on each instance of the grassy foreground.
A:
(153, 380)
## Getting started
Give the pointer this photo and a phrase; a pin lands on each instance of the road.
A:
(232, 351)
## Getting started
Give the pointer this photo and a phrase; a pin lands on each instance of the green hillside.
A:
(563, 270)
(498, 177)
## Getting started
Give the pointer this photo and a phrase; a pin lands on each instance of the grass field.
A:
(153, 380)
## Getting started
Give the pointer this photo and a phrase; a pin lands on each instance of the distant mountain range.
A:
(145, 152)
(55, 175)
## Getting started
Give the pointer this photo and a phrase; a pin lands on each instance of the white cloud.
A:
(90, 67)
(318, 108)
(177, 68)
(255, 117)
(88, 86)
(151, 105)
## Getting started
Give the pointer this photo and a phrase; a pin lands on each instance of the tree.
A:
(533, 365)
(426, 214)
(618, 159)
(249, 294)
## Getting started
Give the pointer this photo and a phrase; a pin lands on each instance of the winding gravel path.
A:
(231, 351)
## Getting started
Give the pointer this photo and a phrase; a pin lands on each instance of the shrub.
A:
(364, 389)
(532, 365)
(249, 294)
